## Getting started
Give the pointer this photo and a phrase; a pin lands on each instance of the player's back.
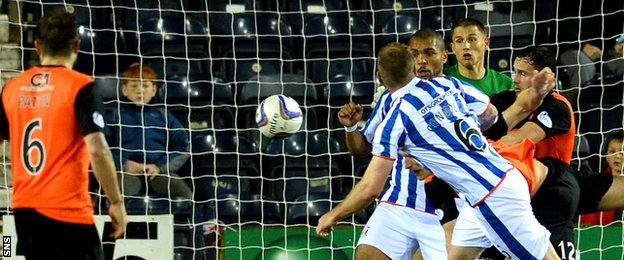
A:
(432, 120)
(404, 188)
(50, 159)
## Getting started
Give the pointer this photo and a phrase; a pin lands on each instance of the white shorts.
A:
(398, 231)
(505, 219)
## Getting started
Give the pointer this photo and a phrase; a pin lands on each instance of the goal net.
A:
(259, 198)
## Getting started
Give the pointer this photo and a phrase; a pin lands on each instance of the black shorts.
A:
(555, 205)
(442, 196)
(594, 185)
(40, 237)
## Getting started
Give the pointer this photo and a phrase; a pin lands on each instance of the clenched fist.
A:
(350, 114)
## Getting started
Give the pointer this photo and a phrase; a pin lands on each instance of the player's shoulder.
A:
(556, 104)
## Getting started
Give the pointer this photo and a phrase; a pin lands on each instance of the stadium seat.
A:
(337, 44)
(386, 9)
(221, 162)
(581, 154)
(155, 204)
(595, 122)
(109, 87)
(286, 166)
(307, 209)
(244, 208)
(400, 27)
(242, 70)
(260, 43)
(199, 101)
(167, 66)
(296, 12)
(260, 87)
(98, 49)
(335, 33)
(343, 89)
(250, 35)
(603, 89)
(507, 34)
(173, 33)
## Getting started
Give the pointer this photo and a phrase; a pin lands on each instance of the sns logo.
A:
(6, 246)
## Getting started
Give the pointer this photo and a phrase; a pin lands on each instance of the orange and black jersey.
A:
(554, 116)
(45, 112)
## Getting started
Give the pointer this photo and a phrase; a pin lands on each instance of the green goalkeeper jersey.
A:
(493, 82)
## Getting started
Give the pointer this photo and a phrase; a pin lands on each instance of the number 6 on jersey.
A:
(33, 161)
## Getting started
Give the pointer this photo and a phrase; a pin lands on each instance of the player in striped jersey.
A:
(432, 121)
(405, 200)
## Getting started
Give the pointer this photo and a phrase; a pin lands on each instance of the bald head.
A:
(395, 65)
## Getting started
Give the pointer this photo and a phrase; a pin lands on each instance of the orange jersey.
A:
(49, 156)
(521, 156)
(559, 146)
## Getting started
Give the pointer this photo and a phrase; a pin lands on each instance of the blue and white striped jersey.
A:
(405, 189)
(432, 121)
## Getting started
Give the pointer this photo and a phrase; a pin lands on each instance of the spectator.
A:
(614, 57)
(148, 143)
(615, 161)
(469, 43)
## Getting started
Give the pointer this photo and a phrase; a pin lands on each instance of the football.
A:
(278, 116)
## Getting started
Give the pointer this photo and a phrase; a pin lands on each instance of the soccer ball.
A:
(278, 116)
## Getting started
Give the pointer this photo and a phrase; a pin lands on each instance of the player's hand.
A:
(350, 114)
(119, 218)
(541, 84)
(326, 224)
(543, 81)
(152, 170)
(412, 164)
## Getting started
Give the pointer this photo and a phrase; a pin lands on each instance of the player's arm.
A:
(477, 102)
(552, 118)
(4, 122)
(525, 103)
(349, 115)
(88, 110)
(361, 195)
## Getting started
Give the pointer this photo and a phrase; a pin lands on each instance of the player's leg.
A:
(508, 221)
(368, 252)
(555, 206)
(468, 238)
(389, 233)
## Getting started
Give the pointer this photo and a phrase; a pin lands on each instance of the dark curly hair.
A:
(56, 32)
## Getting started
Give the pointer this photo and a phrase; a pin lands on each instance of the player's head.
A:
(57, 35)
(395, 65)
(529, 60)
(615, 151)
(469, 41)
(428, 48)
(138, 83)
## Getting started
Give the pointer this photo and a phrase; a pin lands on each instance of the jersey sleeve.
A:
(4, 122)
(89, 109)
(390, 135)
(476, 100)
(553, 116)
(375, 118)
